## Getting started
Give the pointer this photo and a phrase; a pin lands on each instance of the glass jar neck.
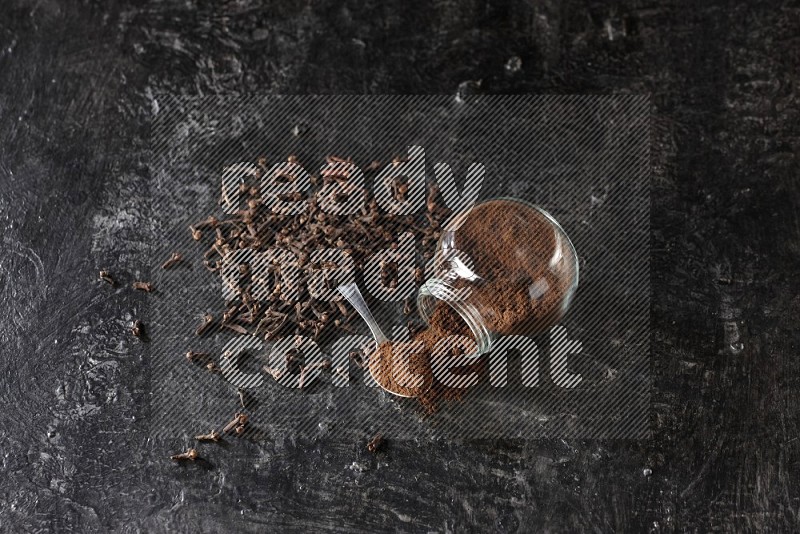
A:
(437, 290)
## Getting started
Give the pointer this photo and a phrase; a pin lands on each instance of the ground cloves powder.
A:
(525, 264)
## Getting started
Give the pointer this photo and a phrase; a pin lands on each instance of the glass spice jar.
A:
(506, 267)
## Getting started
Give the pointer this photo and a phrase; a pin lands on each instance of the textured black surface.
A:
(76, 86)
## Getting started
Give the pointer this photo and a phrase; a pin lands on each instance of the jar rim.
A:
(436, 290)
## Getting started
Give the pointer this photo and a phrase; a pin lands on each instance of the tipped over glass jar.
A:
(506, 267)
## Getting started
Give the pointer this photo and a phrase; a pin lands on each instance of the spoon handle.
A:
(353, 296)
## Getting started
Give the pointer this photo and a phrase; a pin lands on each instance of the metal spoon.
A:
(353, 296)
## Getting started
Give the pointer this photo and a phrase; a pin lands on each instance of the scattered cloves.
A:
(275, 314)
(106, 277)
(236, 328)
(239, 419)
(173, 260)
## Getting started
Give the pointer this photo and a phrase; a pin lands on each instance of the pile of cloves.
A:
(289, 308)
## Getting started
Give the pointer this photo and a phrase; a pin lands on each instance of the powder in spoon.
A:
(386, 363)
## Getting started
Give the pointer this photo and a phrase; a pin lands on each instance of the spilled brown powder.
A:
(385, 366)
(444, 322)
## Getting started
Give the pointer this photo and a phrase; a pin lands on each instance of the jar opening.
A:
(434, 291)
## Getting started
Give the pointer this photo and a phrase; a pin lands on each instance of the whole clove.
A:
(275, 373)
(173, 260)
(206, 323)
(143, 286)
(389, 274)
(137, 329)
(342, 372)
(375, 443)
(236, 328)
(190, 455)
(414, 327)
(419, 276)
(211, 436)
(106, 277)
(239, 419)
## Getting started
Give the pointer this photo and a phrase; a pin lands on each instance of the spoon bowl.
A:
(351, 293)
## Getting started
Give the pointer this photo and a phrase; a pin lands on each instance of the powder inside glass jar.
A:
(525, 265)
